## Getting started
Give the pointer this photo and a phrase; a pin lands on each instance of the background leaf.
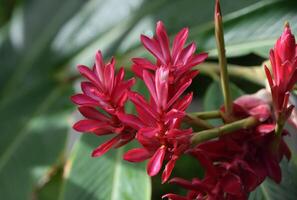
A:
(253, 29)
(108, 177)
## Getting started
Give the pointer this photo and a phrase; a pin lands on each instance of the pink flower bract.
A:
(106, 91)
(283, 59)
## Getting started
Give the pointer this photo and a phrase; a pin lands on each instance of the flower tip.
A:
(217, 8)
(287, 24)
(159, 24)
(96, 153)
(75, 99)
(76, 127)
(287, 29)
(81, 68)
(99, 53)
(112, 61)
(144, 39)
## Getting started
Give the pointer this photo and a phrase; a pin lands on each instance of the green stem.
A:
(207, 115)
(206, 135)
(194, 121)
(278, 133)
(279, 127)
(219, 33)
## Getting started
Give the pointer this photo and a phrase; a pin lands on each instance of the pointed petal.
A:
(152, 46)
(187, 53)
(178, 43)
(155, 163)
(87, 125)
(137, 155)
(183, 103)
(163, 41)
(161, 81)
(99, 66)
(92, 113)
(268, 75)
(139, 100)
(150, 84)
(174, 197)
(168, 170)
(81, 99)
(183, 183)
(179, 92)
(89, 74)
(197, 59)
(103, 148)
(130, 120)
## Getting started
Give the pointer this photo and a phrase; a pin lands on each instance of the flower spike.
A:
(108, 91)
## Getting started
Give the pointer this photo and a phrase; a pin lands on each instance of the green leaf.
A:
(122, 32)
(213, 98)
(35, 146)
(253, 29)
(108, 177)
(34, 105)
(269, 190)
(51, 184)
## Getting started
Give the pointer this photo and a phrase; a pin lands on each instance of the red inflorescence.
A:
(283, 60)
(237, 163)
(160, 119)
(109, 92)
(157, 125)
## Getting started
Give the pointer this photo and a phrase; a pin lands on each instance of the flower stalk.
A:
(206, 135)
(197, 122)
(219, 34)
(214, 114)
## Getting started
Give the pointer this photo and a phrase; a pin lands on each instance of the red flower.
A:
(178, 60)
(237, 163)
(158, 124)
(106, 91)
(283, 59)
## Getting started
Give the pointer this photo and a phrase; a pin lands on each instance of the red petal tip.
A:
(217, 8)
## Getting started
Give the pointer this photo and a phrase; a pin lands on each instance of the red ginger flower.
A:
(106, 91)
(236, 164)
(158, 124)
(283, 59)
(178, 60)
(158, 121)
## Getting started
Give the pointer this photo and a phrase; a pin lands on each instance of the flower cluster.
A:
(157, 123)
(283, 60)
(108, 92)
(235, 161)
(166, 79)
